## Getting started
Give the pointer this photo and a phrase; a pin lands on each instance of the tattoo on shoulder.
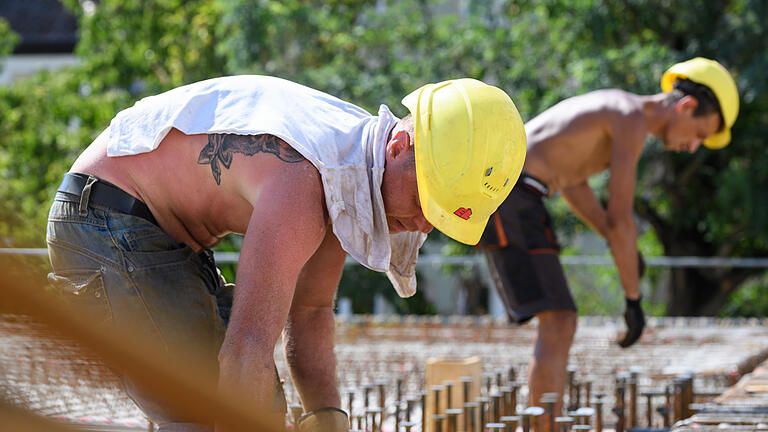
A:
(222, 147)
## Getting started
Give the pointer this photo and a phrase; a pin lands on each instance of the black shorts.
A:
(522, 253)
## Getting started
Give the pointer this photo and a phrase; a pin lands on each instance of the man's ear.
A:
(398, 144)
(687, 104)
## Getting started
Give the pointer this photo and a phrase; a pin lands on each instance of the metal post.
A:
(667, 406)
(350, 401)
(448, 392)
(439, 419)
(466, 385)
(506, 407)
(588, 386)
(436, 389)
(453, 418)
(633, 399)
(482, 408)
(549, 400)
(382, 399)
(649, 408)
(469, 416)
(571, 370)
(564, 423)
(599, 412)
(513, 398)
(495, 408)
(619, 408)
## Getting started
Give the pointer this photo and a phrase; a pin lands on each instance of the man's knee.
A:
(557, 325)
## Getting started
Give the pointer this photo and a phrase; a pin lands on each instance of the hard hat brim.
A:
(464, 231)
(718, 140)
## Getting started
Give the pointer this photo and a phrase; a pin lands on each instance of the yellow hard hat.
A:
(713, 75)
(470, 147)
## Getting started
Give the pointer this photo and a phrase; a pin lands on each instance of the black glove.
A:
(640, 265)
(633, 315)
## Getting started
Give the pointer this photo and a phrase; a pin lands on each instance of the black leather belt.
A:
(106, 194)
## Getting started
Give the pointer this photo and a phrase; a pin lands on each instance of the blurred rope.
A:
(185, 385)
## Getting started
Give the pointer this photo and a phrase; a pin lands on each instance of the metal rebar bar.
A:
(563, 424)
(549, 400)
(632, 421)
(371, 414)
(381, 386)
(470, 420)
(438, 420)
(436, 390)
(599, 412)
(453, 418)
(448, 393)
(350, 401)
(513, 397)
(466, 387)
(588, 395)
(511, 421)
(667, 406)
(648, 395)
(506, 407)
(619, 407)
(571, 371)
(482, 408)
(495, 408)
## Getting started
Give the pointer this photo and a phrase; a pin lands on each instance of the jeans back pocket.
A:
(83, 292)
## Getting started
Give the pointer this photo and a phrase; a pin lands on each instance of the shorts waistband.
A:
(534, 185)
(92, 189)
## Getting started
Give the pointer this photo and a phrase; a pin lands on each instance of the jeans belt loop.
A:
(85, 195)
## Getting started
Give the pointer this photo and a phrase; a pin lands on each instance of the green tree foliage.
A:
(371, 52)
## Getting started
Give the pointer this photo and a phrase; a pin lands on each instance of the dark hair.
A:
(707, 100)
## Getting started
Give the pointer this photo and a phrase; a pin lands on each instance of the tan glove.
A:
(324, 420)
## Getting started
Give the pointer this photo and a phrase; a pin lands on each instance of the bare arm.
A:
(286, 228)
(584, 203)
(309, 334)
(622, 233)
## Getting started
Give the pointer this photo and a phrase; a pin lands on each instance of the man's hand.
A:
(633, 315)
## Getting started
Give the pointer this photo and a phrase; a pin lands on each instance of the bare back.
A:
(201, 187)
(575, 138)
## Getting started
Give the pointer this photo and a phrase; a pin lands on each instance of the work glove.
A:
(633, 315)
(324, 420)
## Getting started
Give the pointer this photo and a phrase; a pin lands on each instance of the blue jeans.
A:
(121, 269)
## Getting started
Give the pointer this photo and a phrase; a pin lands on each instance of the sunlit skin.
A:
(686, 132)
(399, 188)
(291, 261)
(576, 139)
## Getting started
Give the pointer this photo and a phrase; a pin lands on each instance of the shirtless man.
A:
(307, 178)
(567, 144)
